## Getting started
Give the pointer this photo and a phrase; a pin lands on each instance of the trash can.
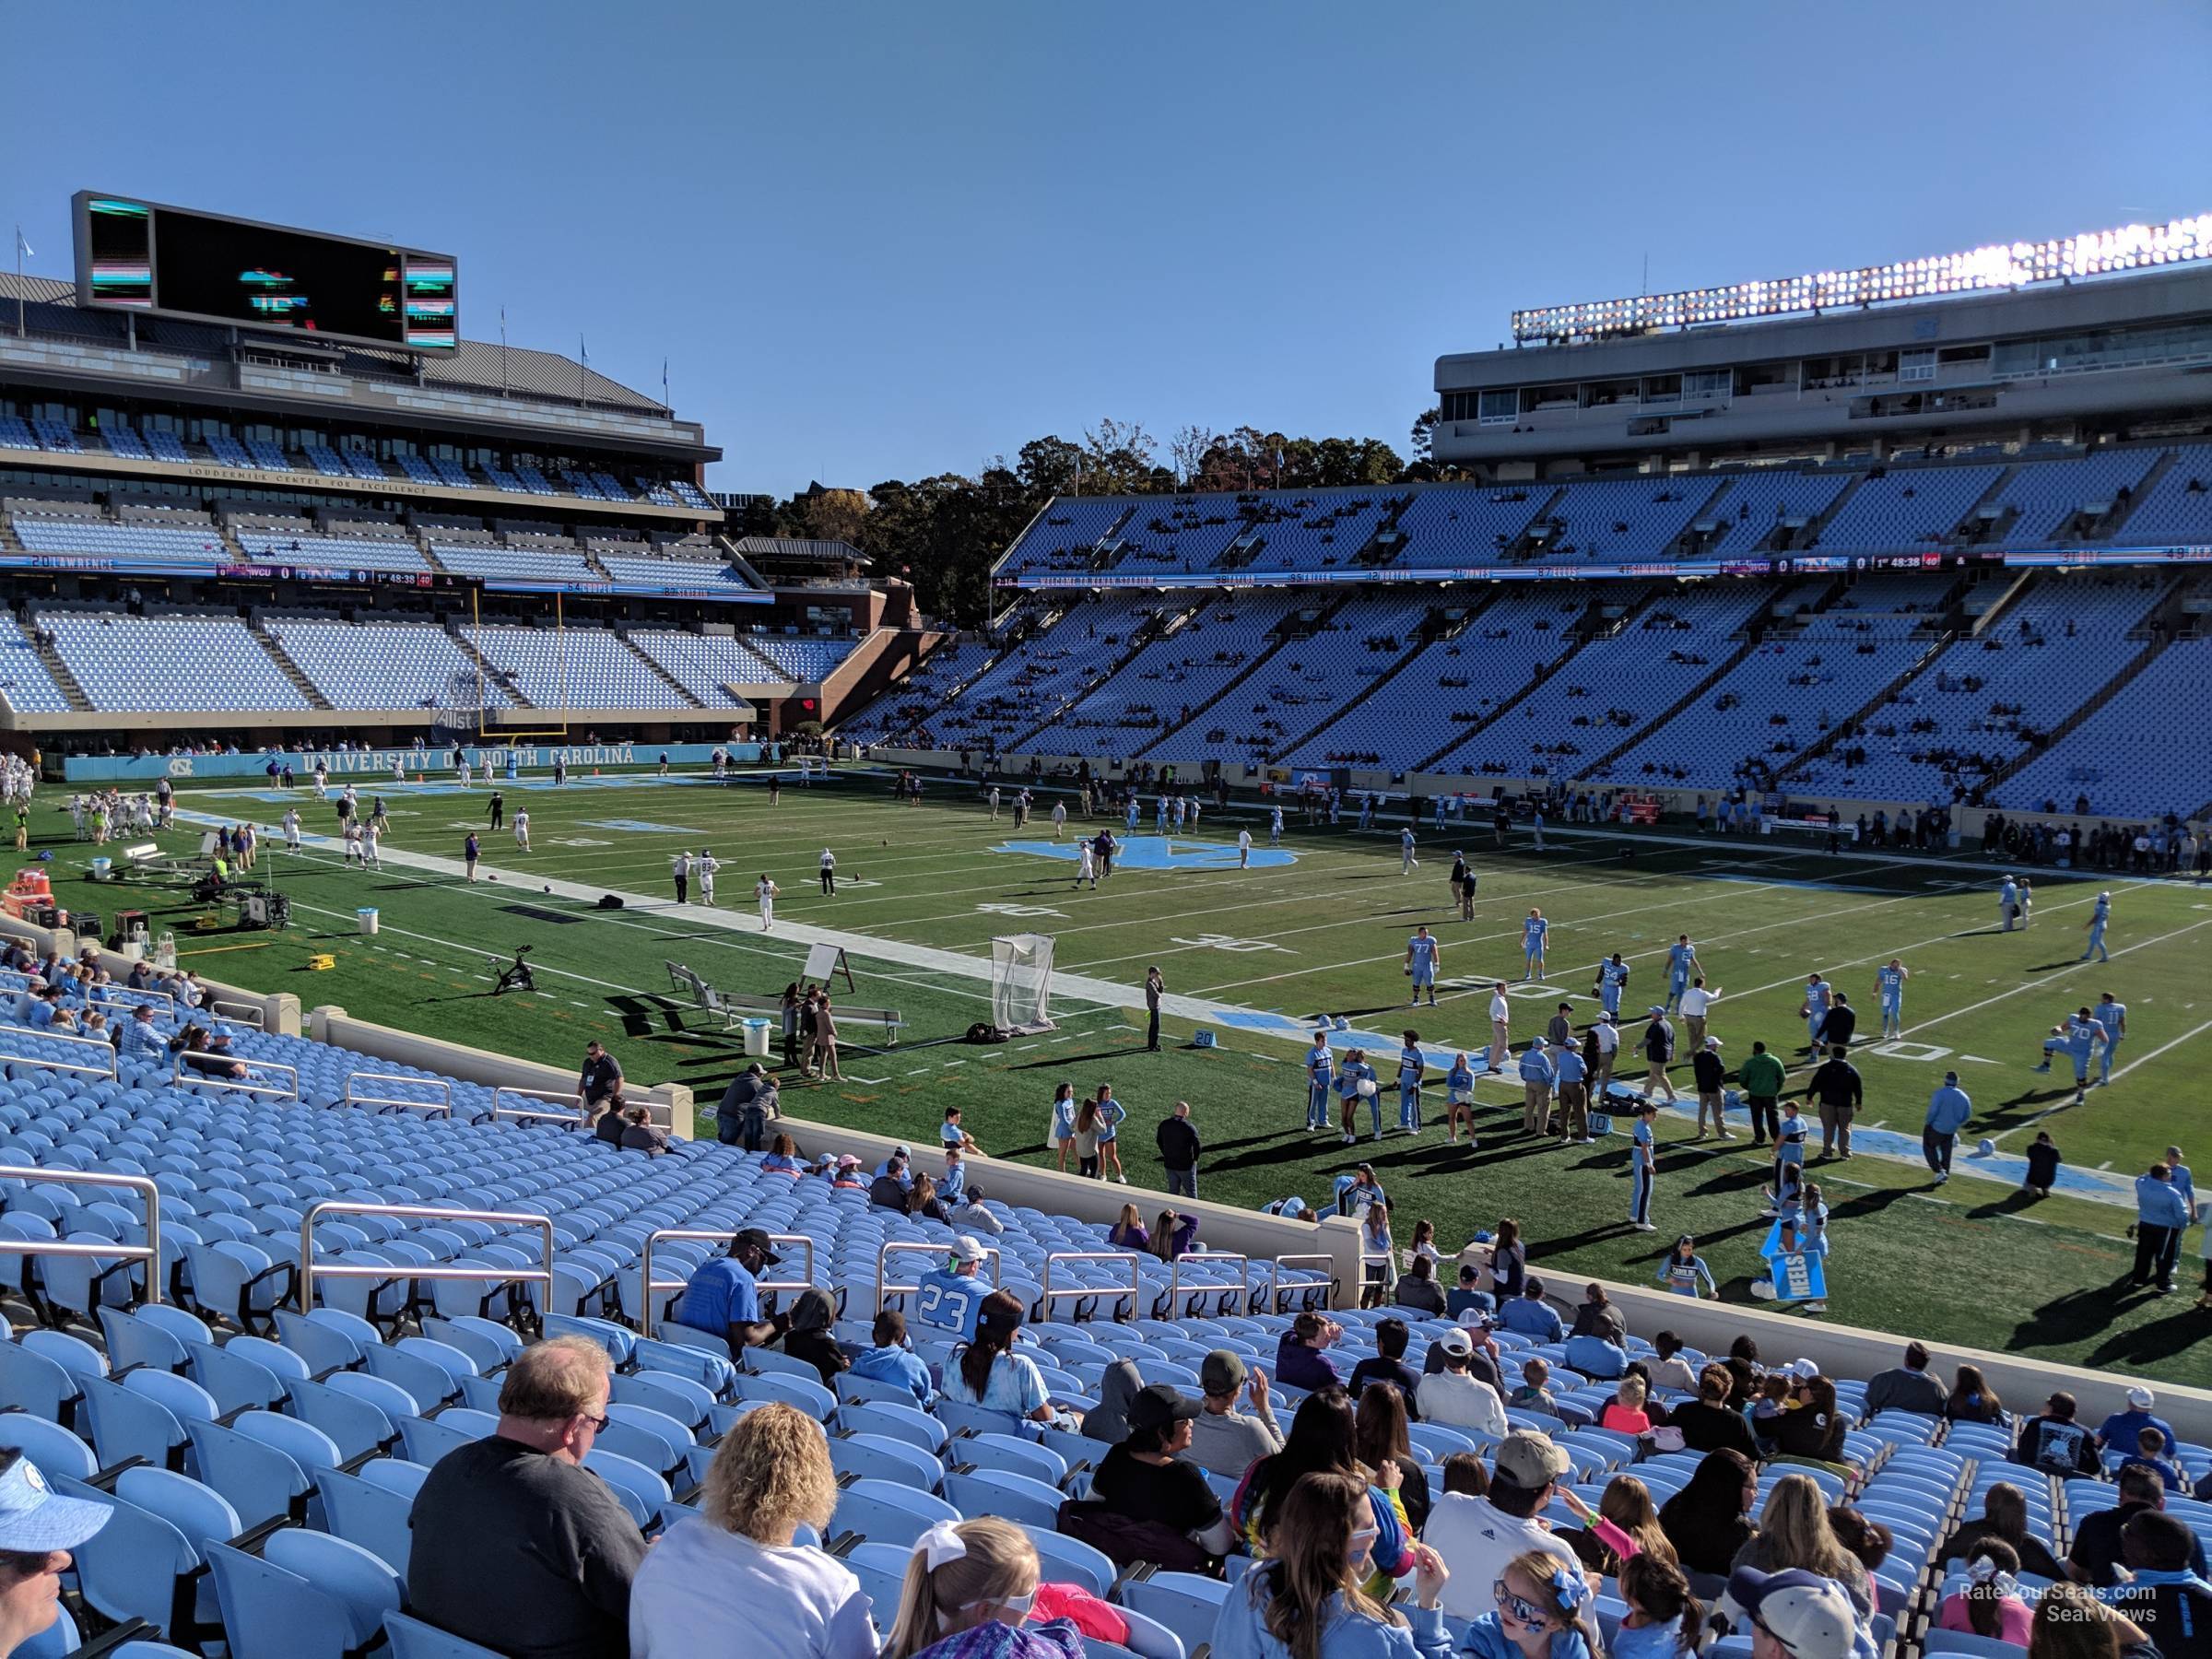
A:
(756, 1037)
(100, 867)
(366, 918)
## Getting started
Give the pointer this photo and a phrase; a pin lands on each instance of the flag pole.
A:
(502, 351)
(22, 248)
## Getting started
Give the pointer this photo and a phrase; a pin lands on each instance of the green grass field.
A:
(1974, 1262)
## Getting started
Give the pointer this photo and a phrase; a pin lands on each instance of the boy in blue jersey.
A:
(1612, 980)
(1321, 1070)
(1411, 1064)
(953, 1137)
(2113, 1017)
(1424, 955)
(1818, 995)
(1889, 985)
(950, 1296)
(2099, 918)
(1643, 1165)
(1354, 1072)
(1681, 963)
(1534, 930)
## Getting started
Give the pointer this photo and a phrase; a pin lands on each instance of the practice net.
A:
(1022, 983)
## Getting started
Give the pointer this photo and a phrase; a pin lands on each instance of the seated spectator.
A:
(1866, 1538)
(1464, 1474)
(2150, 1453)
(1380, 1422)
(1479, 1537)
(1529, 1315)
(1706, 1422)
(1624, 1525)
(888, 1188)
(1794, 1531)
(1324, 1438)
(1129, 1232)
(989, 1374)
(1907, 1387)
(1596, 1316)
(38, 1529)
(1812, 1428)
(1224, 1440)
(1387, 1364)
(1309, 1597)
(724, 1297)
(1663, 1619)
(1744, 1372)
(2119, 1432)
(1989, 1606)
(608, 1125)
(1456, 1399)
(890, 1360)
(1300, 1360)
(732, 1578)
(2164, 1596)
(2055, 1444)
(1624, 1413)
(1108, 1422)
(2071, 1623)
(784, 1158)
(1466, 1295)
(2096, 1555)
(746, 1106)
(1972, 1400)
(968, 1590)
(1148, 1480)
(2005, 1518)
(1417, 1289)
(638, 1133)
(1530, 1393)
(1797, 1615)
(810, 1337)
(1537, 1602)
(515, 1545)
(1710, 1519)
(1596, 1356)
(925, 1203)
(1172, 1234)
(1672, 1370)
(972, 1217)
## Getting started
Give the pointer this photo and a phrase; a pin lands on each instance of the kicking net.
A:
(1022, 983)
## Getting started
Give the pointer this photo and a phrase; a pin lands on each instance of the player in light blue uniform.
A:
(1643, 1165)
(1535, 931)
(1321, 1070)
(1274, 827)
(1160, 816)
(2113, 1017)
(1681, 963)
(2008, 904)
(1424, 955)
(1349, 1076)
(1818, 995)
(1407, 863)
(2099, 918)
(1410, 1066)
(1890, 982)
(951, 1296)
(2083, 1035)
(1612, 980)
(1129, 817)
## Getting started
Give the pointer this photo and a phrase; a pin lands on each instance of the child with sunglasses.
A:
(1543, 1612)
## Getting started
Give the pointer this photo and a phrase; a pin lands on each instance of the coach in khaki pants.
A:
(1537, 1075)
(1574, 1110)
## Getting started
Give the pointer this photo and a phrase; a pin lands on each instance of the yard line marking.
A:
(2154, 1053)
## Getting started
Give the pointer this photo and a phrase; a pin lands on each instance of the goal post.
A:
(1022, 983)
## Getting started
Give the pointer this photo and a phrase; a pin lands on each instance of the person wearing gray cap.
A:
(1224, 1440)
(39, 1527)
(1478, 1536)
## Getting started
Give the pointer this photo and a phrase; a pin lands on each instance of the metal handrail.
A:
(1175, 1278)
(564, 1113)
(917, 1247)
(204, 1079)
(652, 1286)
(106, 1070)
(442, 1107)
(309, 1271)
(1136, 1288)
(149, 1252)
(1275, 1291)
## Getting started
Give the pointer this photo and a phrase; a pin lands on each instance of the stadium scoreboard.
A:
(176, 261)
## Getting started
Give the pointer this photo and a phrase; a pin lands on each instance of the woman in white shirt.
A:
(732, 1578)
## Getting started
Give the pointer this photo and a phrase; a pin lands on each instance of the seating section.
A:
(807, 660)
(904, 712)
(1907, 508)
(701, 663)
(1066, 536)
(574, 668)
(670, 572)
(1766, 509)
(2178, 507)
(24, 680)
(160, 663)
(384, 665)
(1606, 521)
(1154, 693)
(533, 564)
(2123, 759)
(2045, 498)
(332, 552)
(198, 542)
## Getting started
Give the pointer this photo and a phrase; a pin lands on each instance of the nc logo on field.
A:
(1160, 852)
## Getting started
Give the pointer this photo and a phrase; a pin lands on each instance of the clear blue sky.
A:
(882, 239)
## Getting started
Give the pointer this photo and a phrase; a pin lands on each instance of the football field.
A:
(1315, 927)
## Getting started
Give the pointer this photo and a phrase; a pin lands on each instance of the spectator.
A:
(1624, 1525)
(1867, 1539)
(724, 1297)
(38, 1529)
(988, 1372)
(731, 1577)
(1906, 1387)
(1418, 1287)
(610, 1123)
(1706, 1422)
(890, 1360)
(925, 1203)
(1672, 1371)
(598, 1082)
(2119, 1432)
(2097, 1552)
(1812, 1426)
(1128, 1232)
(890, 1186)
(1379, 1424)
(1465, 1297)
(1529, 1315)
(1972, 1399)
(1596, 1316)
(1598, 1356)
(1477, 1537)
(1148, 1480)
(1794, 1531)
(784, 1158)
(1323, 1438)
(1178, 1142)
(1744, 1372)
(1300, 1360)
(1663, 1619)
(963, 1579)
(1710, 1519)
(2150, 1453)
(1172, 1234)
(972, 1217)
(1509, 1264)
(514, 1542)
(746, 1105)
(2071, 1623)
(2164, 1597)
(2004, 1518)
(1797, 1615)
(639, 1135)
(810, 1337)
(1109, 1420)
(1387, 1364)
(1537, 1606)
(1455, 1399)
(1624, 1414)
(1310, 1598)
(1224, 1440)
(1531, 1394)
(2055, 1444)
(1464, 1474)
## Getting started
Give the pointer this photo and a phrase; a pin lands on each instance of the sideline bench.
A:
(732, 1008)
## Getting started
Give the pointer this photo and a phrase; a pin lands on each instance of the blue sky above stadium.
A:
(879, 240)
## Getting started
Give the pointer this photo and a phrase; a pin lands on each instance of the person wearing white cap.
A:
(1452, 1398)
(1797, 1615)
(2118, 1431)
(949, 1297)
(39, 1527)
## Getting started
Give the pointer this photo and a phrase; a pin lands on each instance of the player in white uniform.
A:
(1274, 827)
(466, 772)
(321, 784)
(829, 868)
(703, 866)
(372, 840)
(1243, 849)
(765, 891)
(354, 851)
(292, 828)
(994, 800)
(522, 829)
(1087, 864)
(1059, 819)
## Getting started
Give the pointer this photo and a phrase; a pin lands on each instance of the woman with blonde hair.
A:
(1624, 1413)
(1308, 1600)
(733, 1575)
(1794, 1531)
(967, 1591)
(1129, 1232)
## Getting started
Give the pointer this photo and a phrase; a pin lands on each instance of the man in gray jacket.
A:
(1908, 1387)
(1224, 1439)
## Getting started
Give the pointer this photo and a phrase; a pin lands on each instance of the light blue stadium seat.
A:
(886, 1514)
(1184, 1602)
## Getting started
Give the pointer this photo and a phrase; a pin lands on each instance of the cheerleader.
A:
(1459, 1100)
(1684, 1272)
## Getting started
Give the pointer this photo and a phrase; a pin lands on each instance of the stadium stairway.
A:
(492, 672)
(56, 670)
(1137, 639)
(1414, 647)
(1284, 640)
(1597, 769)
(283, 659)
(659, 673)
